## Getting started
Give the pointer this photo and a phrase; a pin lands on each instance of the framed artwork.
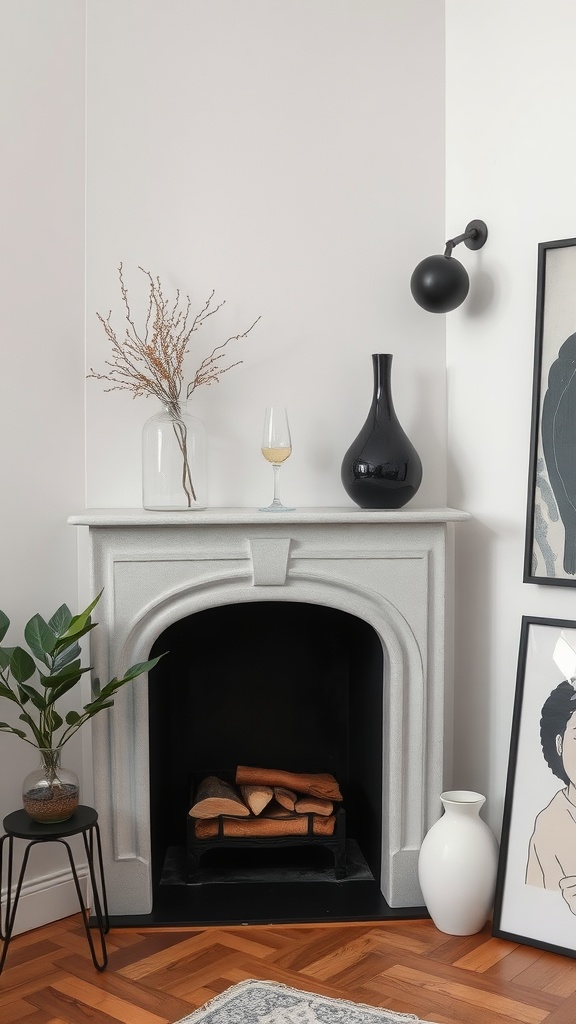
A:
(550, 553)
(536, 886)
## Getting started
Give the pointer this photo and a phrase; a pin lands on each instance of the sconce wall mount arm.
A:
(474, 237)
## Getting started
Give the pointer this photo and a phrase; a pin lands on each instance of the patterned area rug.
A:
(267, 1002)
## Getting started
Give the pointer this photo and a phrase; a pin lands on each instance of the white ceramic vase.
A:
(458, 864)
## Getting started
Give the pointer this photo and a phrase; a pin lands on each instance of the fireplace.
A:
(315, 639)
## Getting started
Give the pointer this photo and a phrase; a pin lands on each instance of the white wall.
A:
(289, 155)
(282, 154)
(511, 107)
(42, 365)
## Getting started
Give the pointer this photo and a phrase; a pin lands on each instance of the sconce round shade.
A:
(439, 284)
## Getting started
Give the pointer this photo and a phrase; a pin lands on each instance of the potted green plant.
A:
(51, 793)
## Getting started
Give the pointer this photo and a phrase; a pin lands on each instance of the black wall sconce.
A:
(441, 283)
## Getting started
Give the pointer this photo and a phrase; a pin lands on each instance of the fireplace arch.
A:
(278, 685)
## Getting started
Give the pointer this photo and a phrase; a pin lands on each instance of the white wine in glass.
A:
(276, 448)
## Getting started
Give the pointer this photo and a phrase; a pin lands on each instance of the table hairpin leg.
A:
(100, 904)
(6, 919)
(99, 965)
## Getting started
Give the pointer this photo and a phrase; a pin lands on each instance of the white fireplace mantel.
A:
(386, 567)
(125, 517)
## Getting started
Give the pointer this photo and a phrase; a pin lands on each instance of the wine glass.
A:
(276, 447)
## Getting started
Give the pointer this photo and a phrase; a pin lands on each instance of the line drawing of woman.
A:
(552, 848)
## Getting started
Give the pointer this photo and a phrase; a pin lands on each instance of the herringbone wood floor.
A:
(157, 976)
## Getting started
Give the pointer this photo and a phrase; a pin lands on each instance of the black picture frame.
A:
(535, 901)
(550, 550)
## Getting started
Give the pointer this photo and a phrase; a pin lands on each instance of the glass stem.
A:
(276, 468)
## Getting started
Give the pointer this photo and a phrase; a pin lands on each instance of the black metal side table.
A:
(84, 821)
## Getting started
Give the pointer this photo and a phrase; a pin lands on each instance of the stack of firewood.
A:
(265, 802)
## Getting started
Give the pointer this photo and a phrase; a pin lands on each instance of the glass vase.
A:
(51, 792)
(174, 460)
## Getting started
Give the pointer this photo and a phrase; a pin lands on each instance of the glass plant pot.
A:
(174, 460)
(51, 792)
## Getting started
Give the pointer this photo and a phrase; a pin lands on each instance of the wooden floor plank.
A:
(190, 973)
(547, 974)
(341, 957)
(60, 1006)
(118, 1008)
(512, 966)
(514, 1008)
(18, 1010)
(26, 977)
(158, 976)
(143, 996)
(483, 957)
(150, 962)
(148, 945)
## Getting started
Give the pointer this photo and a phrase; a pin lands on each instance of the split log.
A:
(264, 827)
(276, 810)
(214, 797)
(286, 797)
(311, 784)
(257, 797)
(313, 805)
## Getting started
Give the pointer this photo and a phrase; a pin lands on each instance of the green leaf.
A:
(65, 656)
(40, 638)
(5, 691)
(4, 623)
(110, 688)
(10, 728)
(96, 706)
(70, 638)
(37, 699)
(64, 681)
(72, 717)
(22, 665)
(81, 622)
(40, 739)
(54, 693)
(138, 670)
(5, 655)
(71, 672)
(56, 720)
(61, 620)
(131, 673)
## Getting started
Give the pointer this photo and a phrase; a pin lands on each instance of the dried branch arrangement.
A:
(151, 361)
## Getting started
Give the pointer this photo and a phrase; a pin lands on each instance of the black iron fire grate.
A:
(335, 843)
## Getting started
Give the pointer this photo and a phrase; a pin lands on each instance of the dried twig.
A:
(151, 362)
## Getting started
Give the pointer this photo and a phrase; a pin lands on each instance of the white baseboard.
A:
(48, 898)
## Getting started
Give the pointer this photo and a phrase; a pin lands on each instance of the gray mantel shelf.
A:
(103, 517)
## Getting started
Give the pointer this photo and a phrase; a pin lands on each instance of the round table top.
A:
(20, 825)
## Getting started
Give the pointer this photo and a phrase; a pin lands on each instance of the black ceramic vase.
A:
(381, 468)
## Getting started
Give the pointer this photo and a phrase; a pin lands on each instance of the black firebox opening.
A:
(272, 684)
